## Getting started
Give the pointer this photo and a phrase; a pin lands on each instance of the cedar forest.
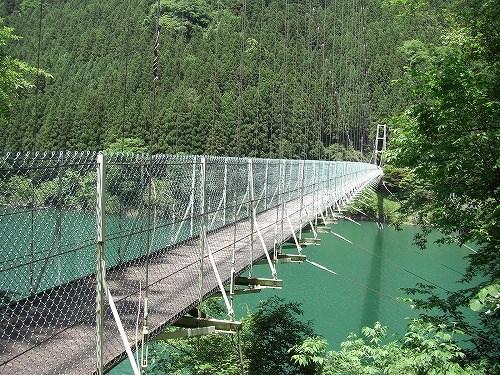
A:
(291, 79)
(303, 78)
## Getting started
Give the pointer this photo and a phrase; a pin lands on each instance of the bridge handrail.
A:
(151, 205)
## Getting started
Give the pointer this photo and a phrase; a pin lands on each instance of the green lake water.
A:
(370, 275)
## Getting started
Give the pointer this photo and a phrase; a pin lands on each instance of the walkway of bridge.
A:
(170, 223)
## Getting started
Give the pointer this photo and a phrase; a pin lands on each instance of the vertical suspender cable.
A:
(307, 124)
(124, 117)
(238, 146)
(322, 81)
(241, 77)
(366, 98)
(145, 329)
(349, 75)
(259, 121)
(284, 83)
(331, 84)
(282, 117)
(240, 113)
(125, 79)
(37, 81)
(273, 105)
(340, 82)
(34, 131)
(355, 74)
(359, 72)
(215, 84)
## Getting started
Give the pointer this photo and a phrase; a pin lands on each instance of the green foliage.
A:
(339, 152)
(211, 355)
(368, 204)
(316, 105)
(132, 145)
(12, 71)
(183, 16)
(71, 190)
(266, 338)
(448, 139)
(394, 180)
(424, 349)
(269, 334)
(310, 354)
(20, 191)
(488, 297)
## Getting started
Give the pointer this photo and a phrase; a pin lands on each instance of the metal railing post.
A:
(315, 193)
(101, 269)
(252, 210)
(283, 182)
(203, 232)
(301, 197)
(266, 177)
(329, 185)
(224, 193)
(191, 199)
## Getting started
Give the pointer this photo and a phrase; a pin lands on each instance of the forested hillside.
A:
(301, 79)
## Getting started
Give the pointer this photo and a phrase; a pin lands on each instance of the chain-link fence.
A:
(173, 228)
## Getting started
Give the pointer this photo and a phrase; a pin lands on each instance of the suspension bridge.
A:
(171, 231)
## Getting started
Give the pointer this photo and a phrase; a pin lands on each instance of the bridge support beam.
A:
(291, 258)
(186, 333)
(304, 241)
(220, 326)
(259, 282)
(322, 229)
(239, 292)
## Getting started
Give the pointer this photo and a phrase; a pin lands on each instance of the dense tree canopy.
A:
(273, 78)
(449, 140)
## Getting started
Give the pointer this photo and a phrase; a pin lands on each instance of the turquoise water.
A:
(370, 273)
(45, 248)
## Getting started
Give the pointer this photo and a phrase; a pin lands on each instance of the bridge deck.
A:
(66, 340)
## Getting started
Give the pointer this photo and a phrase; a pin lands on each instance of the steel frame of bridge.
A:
(182, 227)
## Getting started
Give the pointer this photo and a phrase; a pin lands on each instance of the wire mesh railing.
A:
(165, 218)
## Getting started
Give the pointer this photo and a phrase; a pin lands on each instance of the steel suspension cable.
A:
(240, 122)
(333, 83)
(124, 117)
(150, 232)
(213, 131)
(259, 121)
(366, 97)
(359, 75)
(282, 118)
(37, 81)
(309, 19)
(344, 135)
(125, 79)
(241, 78)
(322, 80)
(284, 83)
(351, 128)
(33, 147)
